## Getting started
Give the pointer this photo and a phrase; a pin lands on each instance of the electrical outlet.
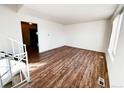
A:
(101, 82)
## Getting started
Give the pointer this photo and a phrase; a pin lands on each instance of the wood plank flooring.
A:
(68, 67)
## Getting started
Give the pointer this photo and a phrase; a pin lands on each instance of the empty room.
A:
(61, 45)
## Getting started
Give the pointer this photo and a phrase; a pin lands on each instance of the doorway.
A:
(30, 38)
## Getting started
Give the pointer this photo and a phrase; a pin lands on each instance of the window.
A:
(117, 22)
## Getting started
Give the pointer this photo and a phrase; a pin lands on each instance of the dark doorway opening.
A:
(30, 38)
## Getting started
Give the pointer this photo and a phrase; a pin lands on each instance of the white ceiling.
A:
(70, 13)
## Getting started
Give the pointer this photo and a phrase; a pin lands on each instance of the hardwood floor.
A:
(68, 67)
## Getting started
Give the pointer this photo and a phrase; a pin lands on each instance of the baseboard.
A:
(51, 49)
(72, 47)
(84, 48)
(108, 68)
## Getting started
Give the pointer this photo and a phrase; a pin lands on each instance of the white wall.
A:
(9, 27)
(90, 35)
(50, 34)
(116, 68)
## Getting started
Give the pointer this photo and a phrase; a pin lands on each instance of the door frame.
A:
(37, 32)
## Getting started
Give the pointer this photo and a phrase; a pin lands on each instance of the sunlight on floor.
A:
(35, 66)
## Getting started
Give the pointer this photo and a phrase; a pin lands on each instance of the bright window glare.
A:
(117, 22)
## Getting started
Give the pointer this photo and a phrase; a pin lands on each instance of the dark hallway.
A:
(30, 38)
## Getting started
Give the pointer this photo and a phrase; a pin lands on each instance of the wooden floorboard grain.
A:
(67, 67)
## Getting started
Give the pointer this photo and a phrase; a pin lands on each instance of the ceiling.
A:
(69, 13)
